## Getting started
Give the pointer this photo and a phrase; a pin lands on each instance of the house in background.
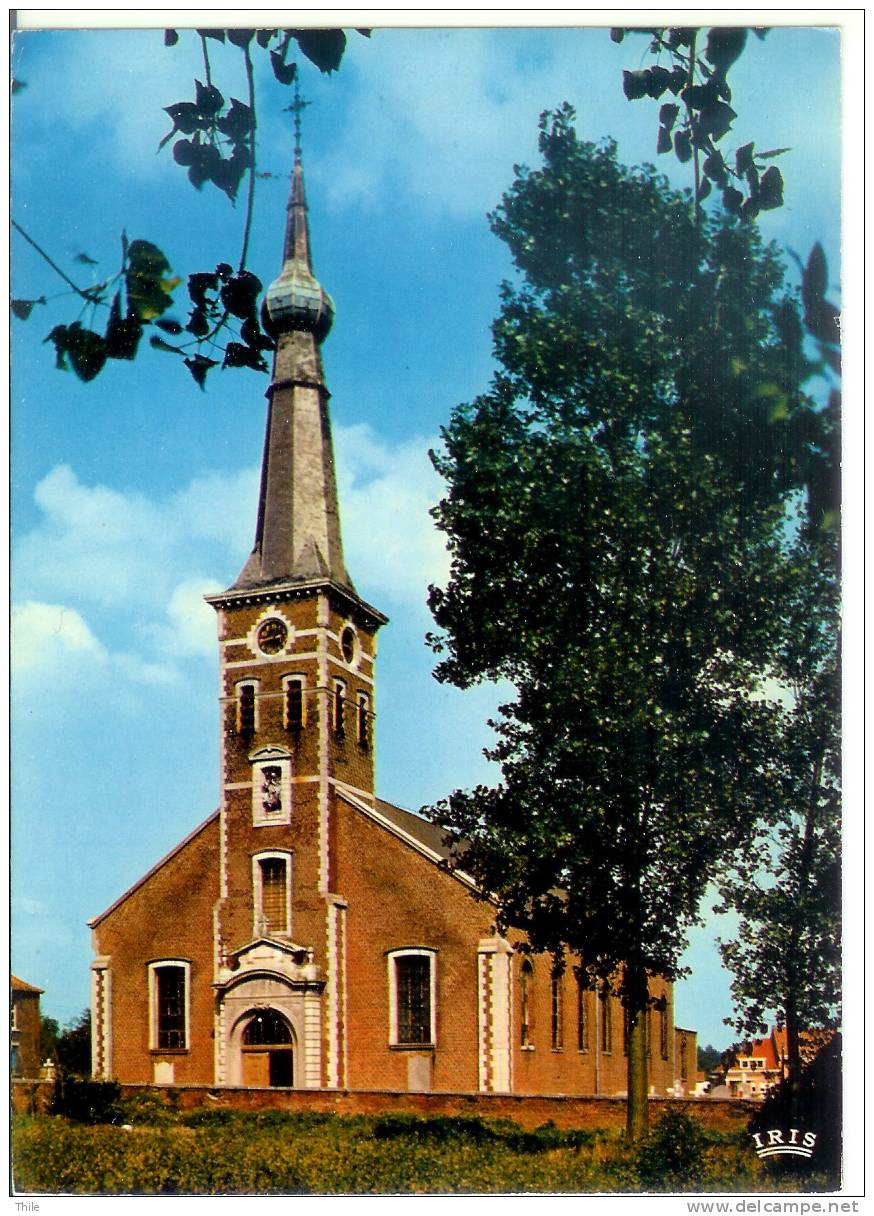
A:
(305, 934)
(763, 1064)
(25, 1029)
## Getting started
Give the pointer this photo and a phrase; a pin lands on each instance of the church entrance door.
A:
(268, 1051)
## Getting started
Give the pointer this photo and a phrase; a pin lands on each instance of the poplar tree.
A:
(613, 515)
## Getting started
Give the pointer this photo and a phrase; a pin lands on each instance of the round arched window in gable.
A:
(267, 1029)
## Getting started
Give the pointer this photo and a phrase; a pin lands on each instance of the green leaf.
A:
(683, 146)
(732, 200)
(170, 37)
(263, 37)
(23, 308)
(237, 124)
(285, 73)
(58, 337)
(716, 120)
(814, 280)
(160, 344)
(664, 142)
(617, 34)
(237, 355)
(219, 35)
(724, 47)
(714, 168)
(634, 84)
(241, 38)
(148, 290)
(199, 365)
(122, 335)
(87, 351)
(207, 99)
(771, 189)
(743, 160)
(186, 117)
(84, 260)
(240, 294)
(324, 48)
(771, 153)
(668, 115)
(169, 326)
(199, 284)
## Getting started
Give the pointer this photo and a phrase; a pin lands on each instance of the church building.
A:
(305, 934)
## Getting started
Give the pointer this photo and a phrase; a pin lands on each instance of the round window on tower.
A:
(272, 636)
(347, 643)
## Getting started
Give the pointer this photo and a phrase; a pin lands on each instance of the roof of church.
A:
(431, 835)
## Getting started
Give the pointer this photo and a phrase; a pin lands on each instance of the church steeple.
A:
(297, 538)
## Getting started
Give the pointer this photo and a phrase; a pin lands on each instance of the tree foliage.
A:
(786, 880)
(692, 65)
(215, 142)
(613, 517)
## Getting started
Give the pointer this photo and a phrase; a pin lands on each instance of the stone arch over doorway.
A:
(267, 1049)
(289, 1012)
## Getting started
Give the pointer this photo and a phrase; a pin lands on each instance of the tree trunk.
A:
(637, 999)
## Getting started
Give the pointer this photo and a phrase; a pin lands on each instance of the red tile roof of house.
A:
(21, 986)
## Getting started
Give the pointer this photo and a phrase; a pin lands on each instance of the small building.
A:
(762, 1064)
(25, 1029)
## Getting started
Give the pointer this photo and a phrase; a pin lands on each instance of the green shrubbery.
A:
(154, 1150)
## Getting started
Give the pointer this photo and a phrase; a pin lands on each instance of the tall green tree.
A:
(613, 516)
(786, 880)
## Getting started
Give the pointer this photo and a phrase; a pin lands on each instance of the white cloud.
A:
(386, 492)
(50, 635)
(192, 628)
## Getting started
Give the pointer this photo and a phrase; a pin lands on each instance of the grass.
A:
(219, 1151)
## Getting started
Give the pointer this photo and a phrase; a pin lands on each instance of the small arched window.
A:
(582, 1015)
(294, 705)
(246, 709)
(526, 985)
(363, 720)
(339, 723)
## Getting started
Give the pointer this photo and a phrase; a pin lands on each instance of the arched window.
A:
(168, 1001)
(606, 1010)
(339, 707)
(557, 1011)
(582, 1015)
(294, 706)
(272, 893)
(246, 708)
(267, 1029)
(412, 996)
(363, 720)
(526, 985)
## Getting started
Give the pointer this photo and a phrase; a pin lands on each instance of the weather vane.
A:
(296, 107)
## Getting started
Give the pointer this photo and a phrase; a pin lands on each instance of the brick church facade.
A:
(305, 935)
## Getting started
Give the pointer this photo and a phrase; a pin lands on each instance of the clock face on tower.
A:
(272, 636)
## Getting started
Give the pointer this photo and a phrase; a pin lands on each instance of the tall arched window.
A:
(582, 1015)
(526, 985)
(557, 1011)
(606, 1010)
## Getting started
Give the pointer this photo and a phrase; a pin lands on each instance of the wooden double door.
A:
(268, 1051)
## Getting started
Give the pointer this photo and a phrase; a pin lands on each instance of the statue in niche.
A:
(271, 789)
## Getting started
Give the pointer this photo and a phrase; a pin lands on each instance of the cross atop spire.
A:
(296, 108)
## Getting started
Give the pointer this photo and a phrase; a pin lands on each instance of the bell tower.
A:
(296, 668)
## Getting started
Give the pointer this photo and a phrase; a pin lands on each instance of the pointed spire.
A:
(298, 532)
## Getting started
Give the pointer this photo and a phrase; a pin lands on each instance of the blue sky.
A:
(136, 494)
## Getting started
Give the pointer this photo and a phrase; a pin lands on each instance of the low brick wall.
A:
(528, 1110)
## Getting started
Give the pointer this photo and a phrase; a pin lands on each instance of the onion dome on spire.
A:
(296, 300)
